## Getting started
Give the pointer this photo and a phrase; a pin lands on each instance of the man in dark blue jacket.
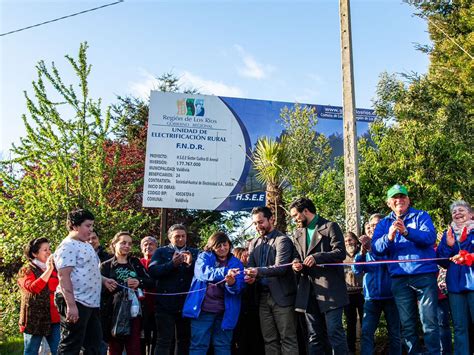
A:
(173, 267)
(407, 234)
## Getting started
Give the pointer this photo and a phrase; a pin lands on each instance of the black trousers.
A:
(85, 334)
(354, 308)
(172, 327)
(148, 342)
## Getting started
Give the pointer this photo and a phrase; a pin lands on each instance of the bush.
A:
(9, 308)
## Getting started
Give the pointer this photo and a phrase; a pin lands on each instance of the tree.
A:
(307, 152)
(293, 165)
(329, 195)
(61, 163)
(423, 137)
(423, 134)
(270, 161)
(68, 160)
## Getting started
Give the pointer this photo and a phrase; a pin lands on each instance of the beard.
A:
(303, 223)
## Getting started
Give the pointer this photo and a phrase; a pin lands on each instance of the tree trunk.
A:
(274, 196)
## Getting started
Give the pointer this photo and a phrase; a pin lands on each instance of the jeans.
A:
(462, 304)
(407, 291)
(33, 342)
(355, 306)
(206, 327)
(85, 334)
(278, 326)
(372, 311)
(444, 317)
(171, 327)
(325, 331)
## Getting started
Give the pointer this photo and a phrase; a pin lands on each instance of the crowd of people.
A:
(278, 294)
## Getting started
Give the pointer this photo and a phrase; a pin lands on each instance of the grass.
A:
(12, 346)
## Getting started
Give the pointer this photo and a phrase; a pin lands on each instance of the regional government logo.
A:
(190, 107)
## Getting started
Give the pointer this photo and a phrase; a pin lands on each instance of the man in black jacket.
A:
(276, 284)
(322, 292)
(173, 267)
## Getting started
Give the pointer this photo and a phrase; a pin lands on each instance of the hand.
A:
(297, 265)
(50, 263)
(72, 314)
(133, 283)
(110, 284)
(309, 261)
(400, 226)
(233, 272)
(457, 259)
(178, 258)
(188, 257)
(463, 258)
(366, 244)
(450, 237)
(392, 232)
(251, 272)
(230, 277)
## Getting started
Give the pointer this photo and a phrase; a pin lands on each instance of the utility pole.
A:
(351, 168)
(163, 225)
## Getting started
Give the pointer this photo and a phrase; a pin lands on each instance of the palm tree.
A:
(270, 160)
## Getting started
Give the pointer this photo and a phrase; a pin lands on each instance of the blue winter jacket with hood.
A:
(459, 278)
(376, 283)
(418, 244)
(207, 271)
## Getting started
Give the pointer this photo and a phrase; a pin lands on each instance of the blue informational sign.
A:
(198, 148)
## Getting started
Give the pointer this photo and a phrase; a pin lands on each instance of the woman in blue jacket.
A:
(213, 303)
(460, 278)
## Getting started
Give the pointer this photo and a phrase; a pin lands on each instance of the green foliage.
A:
(9, 308)
(131, 116)
(294, 165)
(228, 224)
(205, 232)
(423, 137)
(329, 197)
(307, 153)
(66, 161)
(60, 164)
(12, 346)
(270, 161)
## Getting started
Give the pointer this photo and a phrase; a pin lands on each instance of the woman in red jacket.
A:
(38, 280)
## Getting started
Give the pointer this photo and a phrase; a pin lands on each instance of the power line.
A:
(60, 18)
(451, 39)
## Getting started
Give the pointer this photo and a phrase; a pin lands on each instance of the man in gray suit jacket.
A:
(322, 292)
(276, 285)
